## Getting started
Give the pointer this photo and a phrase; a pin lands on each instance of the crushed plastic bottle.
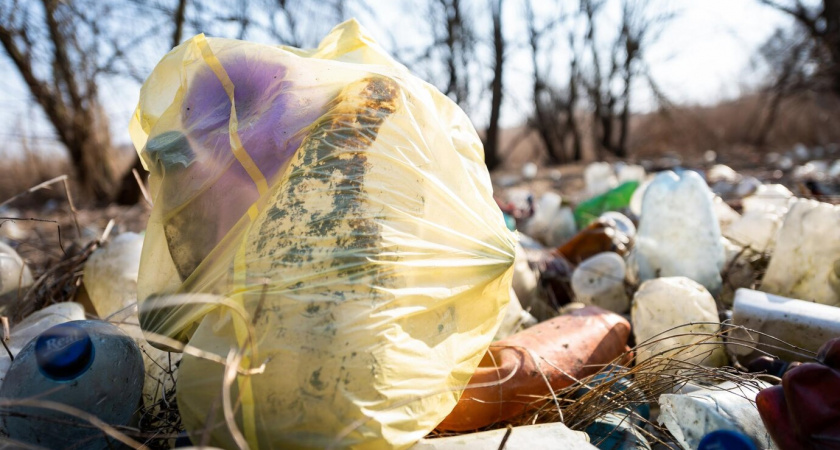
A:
(727, 406)
(86, 365)
(599, 178)
(664, 304)
(15, 276)
(35, 324)
(631, 172)
(555, 353)
(803, 324)
(806, 256)
(678, 232)
(769, 197)
(111, 274)
(603, 235)
(599, 281)
(551, 224)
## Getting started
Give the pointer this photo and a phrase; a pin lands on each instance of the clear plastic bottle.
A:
(90, 366)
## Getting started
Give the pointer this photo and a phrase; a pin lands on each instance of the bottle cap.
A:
(64, 351)
(726, 440)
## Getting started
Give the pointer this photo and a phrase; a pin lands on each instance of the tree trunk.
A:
(491, 144)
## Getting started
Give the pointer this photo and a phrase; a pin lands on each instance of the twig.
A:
(142, 185)
(6, 333)
(11, 356)
(57, 225)
(72, 207)
(505, 439)
(37, 187)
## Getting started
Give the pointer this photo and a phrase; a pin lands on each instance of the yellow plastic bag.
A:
(323, 236)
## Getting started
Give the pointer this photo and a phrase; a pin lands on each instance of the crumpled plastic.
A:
(323, 239)
(726, 406)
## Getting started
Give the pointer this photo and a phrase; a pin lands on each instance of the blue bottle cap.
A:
(64, 351)
(726, 440)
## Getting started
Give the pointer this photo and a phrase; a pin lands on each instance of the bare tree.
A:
(491, 139)
(608, 81)
(446, 60)
(821, 23)
(786, 53)
(55, 50)
(803, 58)
(554, 116)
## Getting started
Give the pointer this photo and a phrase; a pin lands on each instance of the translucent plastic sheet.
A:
(324, 231)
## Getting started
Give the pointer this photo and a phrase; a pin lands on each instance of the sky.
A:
(704, 56)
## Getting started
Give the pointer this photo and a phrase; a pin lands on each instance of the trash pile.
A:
(326, 266)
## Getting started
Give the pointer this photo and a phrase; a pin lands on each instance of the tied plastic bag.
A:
(323, 236)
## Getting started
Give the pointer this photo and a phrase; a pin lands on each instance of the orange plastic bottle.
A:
(519, 369)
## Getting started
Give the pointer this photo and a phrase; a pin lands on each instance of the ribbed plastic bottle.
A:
(90, 366)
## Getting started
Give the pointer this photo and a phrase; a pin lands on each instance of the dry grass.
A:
(730, 128)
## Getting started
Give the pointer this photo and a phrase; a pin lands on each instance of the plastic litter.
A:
(110, 279)
(529, 171)
(678, 233)
(804, 262)
(638, 196)
(110, 275)
(725, 214)
(33, 325)
(619, 429)
(15, 276)
(516, 319)
(726, 440)
(665, 303)
(727, 406)
(803, 324)
(599, 178)
(530, 437)
(755, 229)
(604, 235)
(622, 223)
(631, 172)
(739, 271)
(599, 281)
(770, 365)
(349, 231)
(804, 411)
(722, 173)
(525, 280)
(551, 224)
(519, 369)
(769, 197)
(615, 199)
(89, 366)
(834, 170)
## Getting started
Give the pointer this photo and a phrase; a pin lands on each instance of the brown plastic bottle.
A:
(519, 369)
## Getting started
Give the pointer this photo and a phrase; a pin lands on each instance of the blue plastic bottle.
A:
(91, 366)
